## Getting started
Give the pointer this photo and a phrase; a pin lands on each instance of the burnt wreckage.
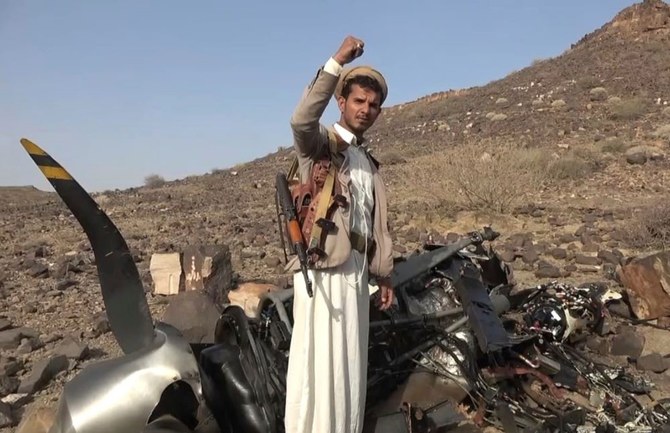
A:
(459, 344)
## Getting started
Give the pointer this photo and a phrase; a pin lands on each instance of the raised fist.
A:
(350, 49)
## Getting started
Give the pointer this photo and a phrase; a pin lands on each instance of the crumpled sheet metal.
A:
(647, 283)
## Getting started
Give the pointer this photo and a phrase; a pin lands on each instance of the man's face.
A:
(360, 109)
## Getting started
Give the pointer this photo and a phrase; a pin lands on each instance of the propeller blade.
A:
(122, 290)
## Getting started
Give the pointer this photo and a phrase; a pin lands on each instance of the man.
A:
(327, 372)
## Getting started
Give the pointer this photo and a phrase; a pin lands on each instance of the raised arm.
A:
(309, 135)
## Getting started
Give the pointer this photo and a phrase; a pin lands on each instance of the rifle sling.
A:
(322, 207)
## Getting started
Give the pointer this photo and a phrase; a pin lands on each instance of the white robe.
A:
(327, 371)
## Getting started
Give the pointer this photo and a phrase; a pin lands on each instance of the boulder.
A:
(194, 314)
(646, 280)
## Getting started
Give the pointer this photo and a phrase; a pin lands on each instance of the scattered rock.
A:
(652, 362)
(547, 270)
(270, 261)
(508, 256)
(558, 253)
(598, 345)
(587, 260)
(38, 270)
(42, 373)
(101, 325)
(194, 314)
(72, 348)
(11, 338)
(638, 158)
(9, 366)
(25, 347)
(8, 385)
(530, 256)
(627, 343)
(608, 257)
(6, 418)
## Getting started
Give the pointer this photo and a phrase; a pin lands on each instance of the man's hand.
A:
(350, 49)
(386, 293)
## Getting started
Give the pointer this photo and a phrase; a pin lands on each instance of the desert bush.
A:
(502, 102)
(666, 111)
(663, 132)
(598, 94)
(577, 163)
(649, 228)
(153, 181)
(494, 176)
(588, 82)
(559, 103)
(566, 168)
(391, 158)
(628, 109)
(614, 145)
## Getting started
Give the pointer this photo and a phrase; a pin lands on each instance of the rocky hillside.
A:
(567, 158)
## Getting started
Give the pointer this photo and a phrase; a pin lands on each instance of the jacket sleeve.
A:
(310, 137)
(381, 265)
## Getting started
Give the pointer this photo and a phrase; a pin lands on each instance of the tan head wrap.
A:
(351, 72)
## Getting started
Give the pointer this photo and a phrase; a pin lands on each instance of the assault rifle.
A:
(292, 226)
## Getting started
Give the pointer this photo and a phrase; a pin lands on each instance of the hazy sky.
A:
(118, 90)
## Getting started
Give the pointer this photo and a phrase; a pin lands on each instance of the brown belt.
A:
(358, 243)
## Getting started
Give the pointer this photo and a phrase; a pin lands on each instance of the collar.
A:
(348, 136)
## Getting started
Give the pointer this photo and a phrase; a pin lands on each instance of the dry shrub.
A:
(614, 145)
(588, 82)
(662, 132)
(578, 162)
(154, 180)
(489, 175)
(598, 94)
(567, 168)
(650, 228)
(494, 176)
(628, 109)
(391, 158)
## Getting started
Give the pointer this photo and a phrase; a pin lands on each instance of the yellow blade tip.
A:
(31, 147)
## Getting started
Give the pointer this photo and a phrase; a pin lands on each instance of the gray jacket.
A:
(311, 142)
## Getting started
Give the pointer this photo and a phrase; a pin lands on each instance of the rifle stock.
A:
(293, 226)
